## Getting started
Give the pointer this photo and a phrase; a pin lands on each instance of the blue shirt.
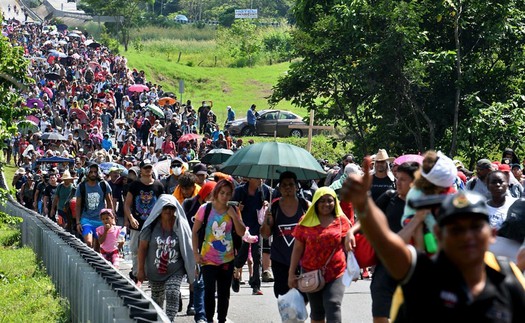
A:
(107, 144)
(95, 199)
(250, 117)
(231, 115)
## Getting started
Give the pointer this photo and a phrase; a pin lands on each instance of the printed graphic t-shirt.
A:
(217, 248)
(144, 198)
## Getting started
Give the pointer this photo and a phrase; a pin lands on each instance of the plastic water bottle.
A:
(126, 249)
(430, 241)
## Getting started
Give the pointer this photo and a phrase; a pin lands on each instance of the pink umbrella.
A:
(138, 88)
(34, 119)
(81, 115)
(48, 91)
(408, 159)
(188, 137)
(75, 56)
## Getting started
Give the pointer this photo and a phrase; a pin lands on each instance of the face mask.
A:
(176, 171)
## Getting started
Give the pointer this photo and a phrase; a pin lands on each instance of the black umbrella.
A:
(61, 27)
(52, 76)
(67, 60)
(53, 136)
(94, 45)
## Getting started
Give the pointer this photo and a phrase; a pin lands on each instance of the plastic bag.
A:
(352, 271)
(261, 213)
(291, 307)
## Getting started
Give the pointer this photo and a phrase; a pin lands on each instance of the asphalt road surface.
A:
(245, 307)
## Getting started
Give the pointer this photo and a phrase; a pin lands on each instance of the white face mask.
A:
(176, 171)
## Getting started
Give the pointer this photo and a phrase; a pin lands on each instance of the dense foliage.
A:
(412, 75)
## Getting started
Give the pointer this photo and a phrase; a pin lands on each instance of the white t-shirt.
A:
(498, 214)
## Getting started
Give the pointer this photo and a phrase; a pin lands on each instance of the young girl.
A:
(108, 237)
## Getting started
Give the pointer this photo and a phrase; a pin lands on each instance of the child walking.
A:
(108, 237)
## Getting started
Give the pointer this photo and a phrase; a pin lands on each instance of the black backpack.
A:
(237, 241)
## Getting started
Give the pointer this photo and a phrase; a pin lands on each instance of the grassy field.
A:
(203, 67)
(237, 87)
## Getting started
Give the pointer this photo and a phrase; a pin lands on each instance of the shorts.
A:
(90, 227)
(382, 289)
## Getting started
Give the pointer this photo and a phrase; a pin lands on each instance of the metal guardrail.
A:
(30, 11)
(96, 291)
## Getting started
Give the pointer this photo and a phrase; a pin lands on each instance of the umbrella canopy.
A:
(188, 137)
(52, 76)
(94, 65)
(80, 114)
(53, 136)
(155, 110)
(75, 56)
(269, 159)
(25, 126)
(217, 156)
(55, 159)
(31, 103)
(105, 167)
(33, 118)
(93, 45)
(73, 35)
(48, 91)
(56, 53)
(166, 100)
(408, 159)
(163, 167)
(138, 88)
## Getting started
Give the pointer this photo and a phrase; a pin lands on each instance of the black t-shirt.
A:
(50, 193)
(283, 227)
(393, 207)
(380, 185)
(144, 198)
(437, 292)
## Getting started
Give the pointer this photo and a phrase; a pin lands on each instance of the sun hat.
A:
(67, 176)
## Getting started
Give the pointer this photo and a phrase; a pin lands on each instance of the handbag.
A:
(313, 281)
(363, 251)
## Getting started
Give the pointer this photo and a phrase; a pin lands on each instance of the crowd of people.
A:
(107, 154)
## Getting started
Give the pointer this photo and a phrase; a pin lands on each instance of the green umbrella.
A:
(269, 159)
(155, 110)
(217, 156)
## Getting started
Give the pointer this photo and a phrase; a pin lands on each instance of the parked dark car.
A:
(268, 122)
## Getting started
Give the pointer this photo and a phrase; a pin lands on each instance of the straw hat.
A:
(67, 176)
(382, 155)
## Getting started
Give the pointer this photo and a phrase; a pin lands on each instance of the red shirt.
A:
(319, 243)
(168, 147)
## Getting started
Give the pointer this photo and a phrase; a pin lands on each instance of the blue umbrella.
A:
(105, 167)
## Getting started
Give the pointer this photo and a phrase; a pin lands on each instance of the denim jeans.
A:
(198, 298)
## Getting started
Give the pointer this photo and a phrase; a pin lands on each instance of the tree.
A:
(13, 79)
(241, 41)
(396, 74)
(127, 12)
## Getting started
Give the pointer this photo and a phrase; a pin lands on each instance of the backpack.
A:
(82, 188)
(237, 241)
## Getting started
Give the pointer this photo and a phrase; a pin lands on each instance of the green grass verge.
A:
(28, 295)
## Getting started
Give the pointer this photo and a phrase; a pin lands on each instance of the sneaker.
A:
(242, 282)
(267, 277)
(190, 311)
(257, 292)
(236, 285)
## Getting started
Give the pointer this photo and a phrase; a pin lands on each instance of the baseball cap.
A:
(200, 169)
(461, 204)
(484, 164)
(504, 168)
(146, 163)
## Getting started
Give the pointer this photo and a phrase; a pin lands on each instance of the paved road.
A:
(11, 14)
(245, 307)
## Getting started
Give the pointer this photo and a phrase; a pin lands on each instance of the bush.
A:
(10, 235)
